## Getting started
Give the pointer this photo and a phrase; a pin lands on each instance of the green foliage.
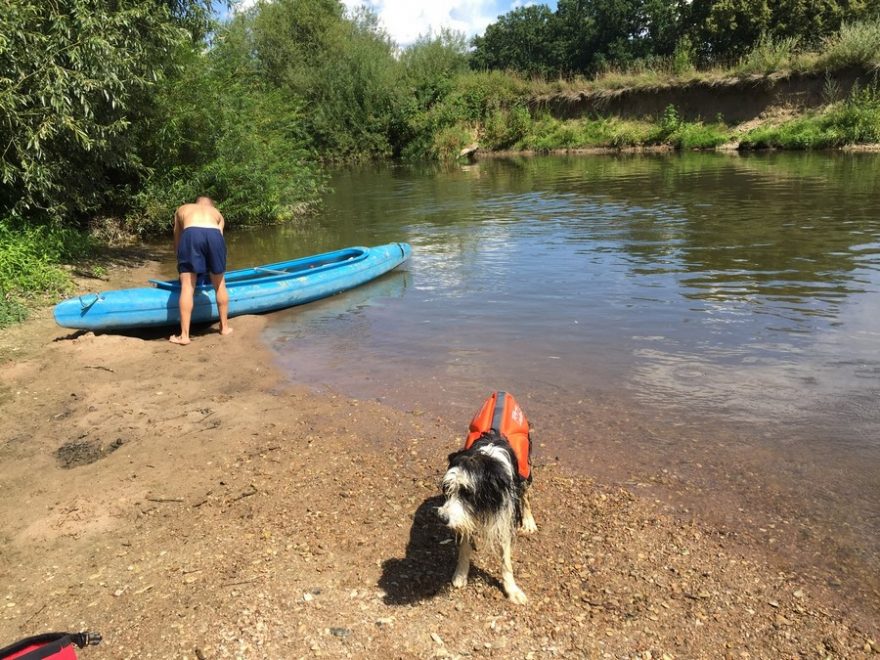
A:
(854, 121)
(589, 36)
(769, 55)
(525, 39)
(684, 56)
(697, 135)
(542, 132)
(30, 263)
(75, 77)
(342, 68)
(431, 65)
(11, 310)
(504, 128)
(478, 94)
(857, 44)
(728, 29)
(226, 135)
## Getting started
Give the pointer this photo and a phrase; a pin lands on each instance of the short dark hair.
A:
(206, 198)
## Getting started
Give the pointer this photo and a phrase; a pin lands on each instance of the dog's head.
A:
(480, 484)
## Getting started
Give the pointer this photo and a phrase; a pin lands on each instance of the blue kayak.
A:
(251, 290)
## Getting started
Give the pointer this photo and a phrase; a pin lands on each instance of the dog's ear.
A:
(454, 455)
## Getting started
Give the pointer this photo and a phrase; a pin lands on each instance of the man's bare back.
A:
(200, 214)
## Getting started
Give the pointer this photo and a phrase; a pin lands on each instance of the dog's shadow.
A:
(427, 568)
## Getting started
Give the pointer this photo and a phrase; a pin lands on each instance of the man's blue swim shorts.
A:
(201, 250)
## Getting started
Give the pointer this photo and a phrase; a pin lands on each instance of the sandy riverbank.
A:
(188, 502)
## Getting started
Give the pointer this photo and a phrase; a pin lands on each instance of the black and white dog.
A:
(487, 499)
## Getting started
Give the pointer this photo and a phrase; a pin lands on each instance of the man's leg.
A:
(187, 290)
(219, 283)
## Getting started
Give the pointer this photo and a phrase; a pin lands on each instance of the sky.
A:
(405, 20)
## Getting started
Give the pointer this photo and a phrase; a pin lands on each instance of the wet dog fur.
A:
(486, 501)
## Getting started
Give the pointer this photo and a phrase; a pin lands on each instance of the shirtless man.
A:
(198, 241)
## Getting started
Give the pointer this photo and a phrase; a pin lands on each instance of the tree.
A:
(525, 39)
(74, 77)
(727, 29)
(431, 64)
(340, 67)
(811, 20)
(220, 129)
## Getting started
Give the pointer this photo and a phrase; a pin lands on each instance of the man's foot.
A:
(226, 331)
(179, 339)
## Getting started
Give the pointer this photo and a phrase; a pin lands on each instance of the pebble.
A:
(437, 639)
(342, 633)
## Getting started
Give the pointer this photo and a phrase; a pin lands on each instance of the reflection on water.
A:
(721, 300)
(745, 286)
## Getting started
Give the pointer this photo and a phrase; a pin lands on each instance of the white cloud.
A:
(405, 20)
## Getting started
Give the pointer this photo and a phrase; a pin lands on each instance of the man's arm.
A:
(221, 223)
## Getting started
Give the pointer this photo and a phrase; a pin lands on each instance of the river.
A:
(701, 328)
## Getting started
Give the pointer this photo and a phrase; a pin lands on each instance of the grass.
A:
(31, 265)
(518, 129)
(503, 110)
(856, 120)
(855, 45)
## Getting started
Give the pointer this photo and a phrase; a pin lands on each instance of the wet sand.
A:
(188, 502)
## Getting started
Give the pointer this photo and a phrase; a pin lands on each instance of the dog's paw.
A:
(516, 595)
(459, 581)
(528, 526)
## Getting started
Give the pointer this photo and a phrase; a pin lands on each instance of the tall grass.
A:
(31, 259)
(856, 44)
(856, 120)
(518, 129)
(770, 55)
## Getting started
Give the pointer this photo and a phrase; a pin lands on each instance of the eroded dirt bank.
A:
(735, 99)
(201, 508)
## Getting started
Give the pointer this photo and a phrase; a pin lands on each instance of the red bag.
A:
(502, 414)
(50, 646)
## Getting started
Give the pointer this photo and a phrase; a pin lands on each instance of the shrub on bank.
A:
(853, 121)
(545, 133)
(31, 259)
(856, 45)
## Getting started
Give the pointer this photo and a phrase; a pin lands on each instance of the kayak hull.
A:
(251, 290)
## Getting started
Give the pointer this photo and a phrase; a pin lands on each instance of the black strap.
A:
(57, 640)
(48, 642)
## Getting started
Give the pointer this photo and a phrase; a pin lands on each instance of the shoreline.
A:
(730, 148)
(211, 509)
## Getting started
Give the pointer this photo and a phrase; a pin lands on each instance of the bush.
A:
(504, 128)
(31, 257)
(76, 77)
(684, 56)
(696, 135)
(224, 134)
(768, 56)
(854, 121)
(448, 142)
(856, 44)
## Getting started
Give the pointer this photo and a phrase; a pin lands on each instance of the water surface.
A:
(704, 323)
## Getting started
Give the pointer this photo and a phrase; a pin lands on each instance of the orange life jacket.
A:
(501, 413)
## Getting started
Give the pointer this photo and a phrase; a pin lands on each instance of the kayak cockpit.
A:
(318, 263)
